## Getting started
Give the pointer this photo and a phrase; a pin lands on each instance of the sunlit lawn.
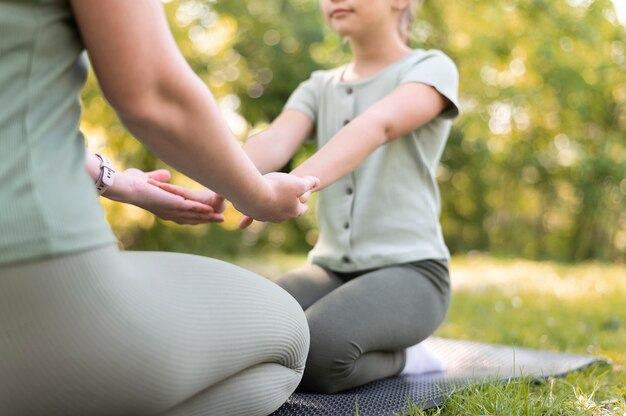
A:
(568, 308)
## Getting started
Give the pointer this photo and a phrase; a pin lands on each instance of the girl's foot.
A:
(420, 359)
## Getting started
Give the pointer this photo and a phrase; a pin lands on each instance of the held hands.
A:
(288, 195)
(286, 198)
(149, 190)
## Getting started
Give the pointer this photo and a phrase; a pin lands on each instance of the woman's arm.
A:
(162, 102)
(134, 186)
(272, 148)
(408, 107)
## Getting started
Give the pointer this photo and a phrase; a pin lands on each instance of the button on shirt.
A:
(387, 210)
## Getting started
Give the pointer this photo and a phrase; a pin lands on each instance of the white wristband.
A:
(107, 174)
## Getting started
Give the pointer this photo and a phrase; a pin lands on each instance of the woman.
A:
(84, 328)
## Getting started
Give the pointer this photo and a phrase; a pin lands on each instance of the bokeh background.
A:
(535, 166)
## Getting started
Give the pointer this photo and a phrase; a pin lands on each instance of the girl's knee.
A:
(330, 363)
(323, 377)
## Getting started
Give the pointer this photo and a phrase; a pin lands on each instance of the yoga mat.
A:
(467, 362)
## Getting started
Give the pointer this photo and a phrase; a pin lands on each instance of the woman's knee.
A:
(291, 335)
(296, 337)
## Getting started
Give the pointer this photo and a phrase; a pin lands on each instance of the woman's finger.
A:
(218, 203)
(245, 222)
(161, 175)
(197, 207)
(302, 209)
(173, 189)
(310, 183)
(189, 218)
(305, 196)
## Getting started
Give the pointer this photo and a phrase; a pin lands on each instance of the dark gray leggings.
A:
(362, 322)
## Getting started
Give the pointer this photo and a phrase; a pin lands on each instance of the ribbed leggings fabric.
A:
(113, 333)
(362, 322)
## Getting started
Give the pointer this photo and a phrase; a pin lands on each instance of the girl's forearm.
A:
(272, 148)
(345, 151)
(267, 154)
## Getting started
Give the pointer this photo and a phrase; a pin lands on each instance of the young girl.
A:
(377, 282)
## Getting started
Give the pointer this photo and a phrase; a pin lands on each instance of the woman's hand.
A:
(182, 206)
(288, 195)
(206, 196)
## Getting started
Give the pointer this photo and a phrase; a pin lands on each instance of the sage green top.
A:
(387, 210)
(48, 203)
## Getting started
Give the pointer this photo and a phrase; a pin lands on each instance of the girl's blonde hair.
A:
(406, 18)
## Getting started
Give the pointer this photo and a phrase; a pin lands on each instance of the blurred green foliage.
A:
(534, 167)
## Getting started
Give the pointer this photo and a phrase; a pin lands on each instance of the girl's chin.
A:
(343, 32)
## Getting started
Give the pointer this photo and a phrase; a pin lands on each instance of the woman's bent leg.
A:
(251, 392)
(104, 332)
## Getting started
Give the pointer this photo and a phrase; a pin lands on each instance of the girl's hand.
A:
(288, 197)
(138, 188)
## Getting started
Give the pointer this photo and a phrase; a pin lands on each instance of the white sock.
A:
(420, 359)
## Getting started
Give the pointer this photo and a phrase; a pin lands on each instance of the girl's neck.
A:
(372, 52)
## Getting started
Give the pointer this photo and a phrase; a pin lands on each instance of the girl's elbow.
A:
(380, 125)
(385, 129)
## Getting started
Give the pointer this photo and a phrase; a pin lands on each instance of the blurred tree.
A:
(535, 166)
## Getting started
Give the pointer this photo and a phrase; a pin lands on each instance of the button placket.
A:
(348, 110)
(347, 100)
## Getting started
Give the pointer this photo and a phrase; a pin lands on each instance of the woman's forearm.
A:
(92, 164)
(167, 120)
(160, 99)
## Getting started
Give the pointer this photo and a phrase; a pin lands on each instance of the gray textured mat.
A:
(467, 362)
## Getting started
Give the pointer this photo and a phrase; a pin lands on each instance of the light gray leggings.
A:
(361, 323)
(114, 333)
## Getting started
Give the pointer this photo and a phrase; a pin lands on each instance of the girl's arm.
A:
(272, 148)
(405, 109)
(162, 102)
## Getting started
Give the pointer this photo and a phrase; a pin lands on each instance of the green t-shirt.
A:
(387, 210)
(48, 202)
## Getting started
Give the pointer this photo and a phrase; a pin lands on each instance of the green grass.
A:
(567, 308)
(592, 392)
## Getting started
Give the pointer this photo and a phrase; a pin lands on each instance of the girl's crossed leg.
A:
(361, 323)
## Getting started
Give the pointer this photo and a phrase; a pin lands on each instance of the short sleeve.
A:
(439, 71)
(305, 98)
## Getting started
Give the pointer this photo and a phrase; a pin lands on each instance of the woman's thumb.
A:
(161, 175)
(310, 183)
